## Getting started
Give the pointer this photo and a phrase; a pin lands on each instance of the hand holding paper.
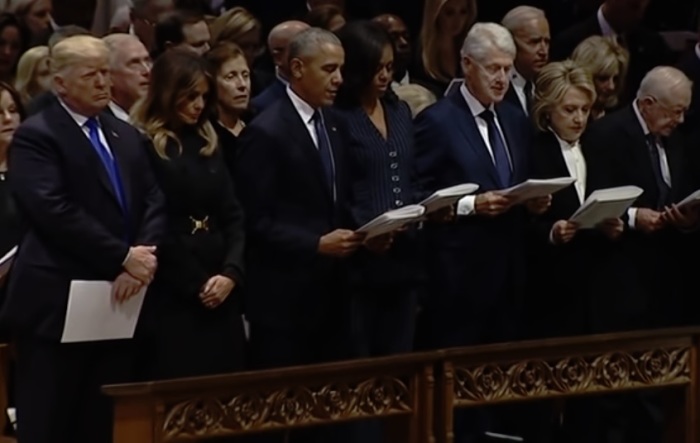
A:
(492, 204)
(447, 197)
(340, 243)
(534, 188)
(392, 220)
(605, 204)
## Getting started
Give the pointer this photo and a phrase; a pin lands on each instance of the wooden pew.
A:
(568, 367)
(398, 389)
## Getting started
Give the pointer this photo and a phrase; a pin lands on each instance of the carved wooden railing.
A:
(560, 368)
(398, 389)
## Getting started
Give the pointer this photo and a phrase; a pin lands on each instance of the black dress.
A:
(10, 227)
(186, 338)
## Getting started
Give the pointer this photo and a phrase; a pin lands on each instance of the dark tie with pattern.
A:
(661, 185)
(498, 146)
(528, 96)
(324, 150)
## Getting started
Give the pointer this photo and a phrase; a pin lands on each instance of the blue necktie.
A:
(664, 189)
(498, 146)
(324, 150)
(107, 160)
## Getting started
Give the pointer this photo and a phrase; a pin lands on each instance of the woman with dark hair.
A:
(196, 328)
(328, 17)
(228, 66)
(14, 40)
(11, 114)
(384, 303)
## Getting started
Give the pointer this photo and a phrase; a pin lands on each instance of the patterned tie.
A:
(528, 96)
(107, 160)
(324, 151)
(498, 146)
(664, 189)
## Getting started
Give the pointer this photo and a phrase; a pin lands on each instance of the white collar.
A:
(79, 119)
(280, 77)
(518, 79)
(640, 119)
(305, 110)
(563, 143)
(475, 105)
(605, 27)
(119, 112)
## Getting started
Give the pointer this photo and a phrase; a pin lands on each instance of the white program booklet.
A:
(534, 188)
(604, 204)
(392, 220)
(691, 200)
(93, 314)
(447, 197)
(6, 262)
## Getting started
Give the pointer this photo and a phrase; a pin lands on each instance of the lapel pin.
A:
(333, 128)
(115, 135)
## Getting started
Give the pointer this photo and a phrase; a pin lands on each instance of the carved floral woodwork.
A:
(211, 416)
(614, 371)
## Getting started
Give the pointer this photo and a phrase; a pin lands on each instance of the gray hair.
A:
(485, 37)
(661, 80)
(115, 42)
(308, 41)
(515, 18)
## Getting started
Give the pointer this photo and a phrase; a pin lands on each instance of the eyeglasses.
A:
(493, 70)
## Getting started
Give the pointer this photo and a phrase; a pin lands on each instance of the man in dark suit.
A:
(278, 44)
(530, 30)
(645, 149)
(92, 211)
(476, 266)
(292, 179)
(619, 19)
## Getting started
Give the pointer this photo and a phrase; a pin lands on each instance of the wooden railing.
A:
(416, 393)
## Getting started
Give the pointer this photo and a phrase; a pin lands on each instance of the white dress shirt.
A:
(466, 204)
(663, 159)
(80, 120)
(575, 164)
(404, 81)
(306, 112)
(119, 112)
(519, 82)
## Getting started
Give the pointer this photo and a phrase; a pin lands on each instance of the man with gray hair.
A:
(473, 136)
(130, 70)
(530, 30)
(92, 211)
(278, 44)
(293, 182)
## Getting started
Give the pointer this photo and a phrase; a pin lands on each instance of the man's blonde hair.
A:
(73, 50)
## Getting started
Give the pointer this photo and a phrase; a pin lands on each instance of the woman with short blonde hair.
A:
(607, 62)
(564, 97)
(445, 25)
(239, 26)
(33, 75)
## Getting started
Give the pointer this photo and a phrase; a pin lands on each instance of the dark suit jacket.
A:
(647, 50)
(471, 263)
(75, 226)
(653, 263)
(512, 97)
(288, 207)
(41, 102)
(271, 94)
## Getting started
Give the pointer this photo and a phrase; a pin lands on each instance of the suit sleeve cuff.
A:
(631, 217)
(466, 205)
(126, 259)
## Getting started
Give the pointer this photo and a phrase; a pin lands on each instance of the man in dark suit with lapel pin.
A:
(530, 30)
(621, 20)
(93, 211)
(476, 266)
(292, 178)
(278, 45)
(643, 148)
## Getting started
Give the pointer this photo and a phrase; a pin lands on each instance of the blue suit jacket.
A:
(473, 261)
(270, 95)
(288, 207)
(75, 227)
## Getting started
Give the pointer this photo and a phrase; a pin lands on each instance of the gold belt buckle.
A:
(200, 225)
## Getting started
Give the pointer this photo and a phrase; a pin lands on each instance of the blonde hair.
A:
(71, 51)
(174, 75)
(232, 25)
(25, 81)
(553, 82)
(416, 96)
(603, 56)
(430, 55)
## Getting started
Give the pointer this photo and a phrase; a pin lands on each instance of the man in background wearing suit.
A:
(278, 44)
(92, 211)
(476, 266)
(292, 178)
(130, 71)
(530, 30)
